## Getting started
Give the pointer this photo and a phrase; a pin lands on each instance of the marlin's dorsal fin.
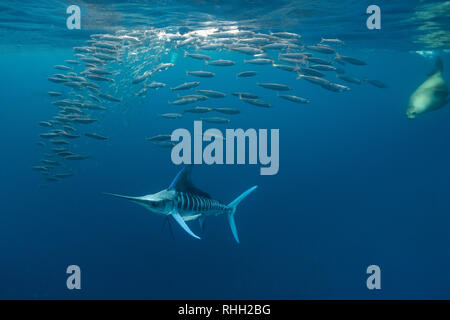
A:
(183, 183)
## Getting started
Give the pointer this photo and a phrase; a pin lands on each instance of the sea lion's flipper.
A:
(438, 66)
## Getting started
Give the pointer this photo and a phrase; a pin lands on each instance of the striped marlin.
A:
(184, 202)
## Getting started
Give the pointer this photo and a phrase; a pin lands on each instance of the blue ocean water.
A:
(359, 183)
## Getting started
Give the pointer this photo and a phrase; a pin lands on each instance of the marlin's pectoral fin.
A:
(183, 224)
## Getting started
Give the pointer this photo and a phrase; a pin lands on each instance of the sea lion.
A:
(430, 95)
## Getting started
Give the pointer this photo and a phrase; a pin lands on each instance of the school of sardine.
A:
(88, 85)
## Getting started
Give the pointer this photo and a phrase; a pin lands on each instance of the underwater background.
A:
(359, 183)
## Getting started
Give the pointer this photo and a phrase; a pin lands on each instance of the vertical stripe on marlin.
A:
(181, 204)
(193, 203)
(191, 198)
(202, 204)
(188, 203)
(196, 204)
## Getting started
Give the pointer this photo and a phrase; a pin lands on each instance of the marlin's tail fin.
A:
(233, 205)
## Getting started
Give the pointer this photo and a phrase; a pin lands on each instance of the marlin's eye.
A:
(158, 204)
